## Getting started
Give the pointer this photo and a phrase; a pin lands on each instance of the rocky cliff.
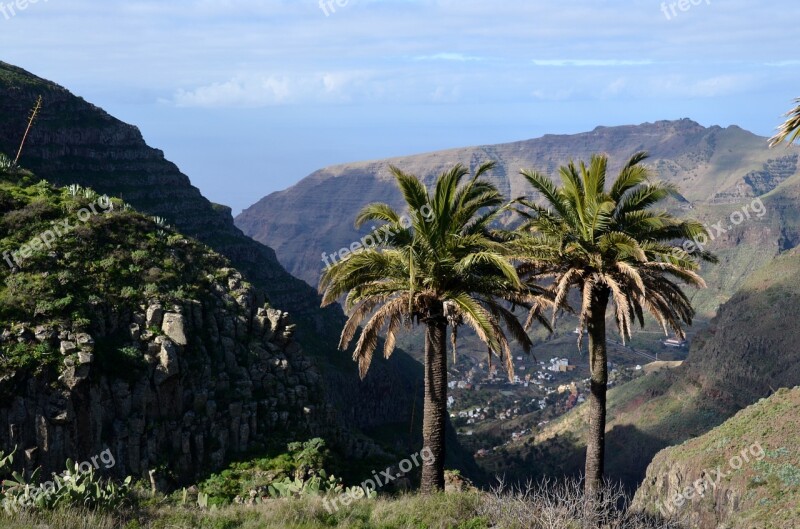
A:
(119, 333)
(212, 380)
(75, 142)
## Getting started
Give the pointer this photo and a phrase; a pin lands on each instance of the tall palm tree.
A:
(612, 246)
(441, 265)
(790, 130)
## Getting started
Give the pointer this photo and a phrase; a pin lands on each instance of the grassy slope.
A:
(117, 260)
(764, 492)
(451, 511)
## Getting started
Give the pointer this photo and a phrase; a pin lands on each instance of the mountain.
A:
(745, 473)
(718, 170)
(75, 142)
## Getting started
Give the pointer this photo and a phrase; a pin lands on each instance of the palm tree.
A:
(610, 246)
(790, 129)
(441, 265)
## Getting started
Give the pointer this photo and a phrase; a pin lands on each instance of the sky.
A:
(250, 96)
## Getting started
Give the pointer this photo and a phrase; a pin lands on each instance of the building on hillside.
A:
(676, 343)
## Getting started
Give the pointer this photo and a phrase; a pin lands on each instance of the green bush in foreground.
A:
(300, 471)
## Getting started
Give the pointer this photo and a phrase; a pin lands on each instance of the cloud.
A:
(659, 85)
(271, 90)
(455, 57)
(783, 64)
(590, 63)
(679, 86)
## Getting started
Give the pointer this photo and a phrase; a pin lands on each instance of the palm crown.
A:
(442, 261)
(586, 237)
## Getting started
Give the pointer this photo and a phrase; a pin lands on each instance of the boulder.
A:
(174, 326)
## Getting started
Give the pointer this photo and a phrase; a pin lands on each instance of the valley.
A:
(203, 351)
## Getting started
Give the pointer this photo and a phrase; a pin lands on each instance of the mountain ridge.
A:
(710, 165)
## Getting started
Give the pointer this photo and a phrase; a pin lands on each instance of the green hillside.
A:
(743, 474)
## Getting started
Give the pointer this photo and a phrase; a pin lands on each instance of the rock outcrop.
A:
(201, 382)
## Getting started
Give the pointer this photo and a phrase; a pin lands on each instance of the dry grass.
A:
(563, 505)
(545, 506)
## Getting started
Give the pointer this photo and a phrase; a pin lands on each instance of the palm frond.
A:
(790, 129)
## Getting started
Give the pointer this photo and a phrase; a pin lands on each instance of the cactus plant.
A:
(72, 488)
(202, 500)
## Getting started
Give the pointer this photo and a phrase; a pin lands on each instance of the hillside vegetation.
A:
(118, 331)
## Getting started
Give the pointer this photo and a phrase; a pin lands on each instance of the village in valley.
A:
(489, 411)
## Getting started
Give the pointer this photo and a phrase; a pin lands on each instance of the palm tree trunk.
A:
(435, 410)
(598, 363)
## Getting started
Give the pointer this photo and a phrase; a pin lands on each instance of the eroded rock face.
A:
(221, 379)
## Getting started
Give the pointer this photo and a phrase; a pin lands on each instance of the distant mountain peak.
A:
(316, 214)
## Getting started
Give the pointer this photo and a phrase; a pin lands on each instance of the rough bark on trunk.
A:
(598, 363)
(435, 410)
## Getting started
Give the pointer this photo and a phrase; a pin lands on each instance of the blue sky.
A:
(248, 96)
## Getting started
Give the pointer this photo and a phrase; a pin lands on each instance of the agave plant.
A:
(105, 202)
(21, 490)
(6, 461)
(202, 500)
(313, 486)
